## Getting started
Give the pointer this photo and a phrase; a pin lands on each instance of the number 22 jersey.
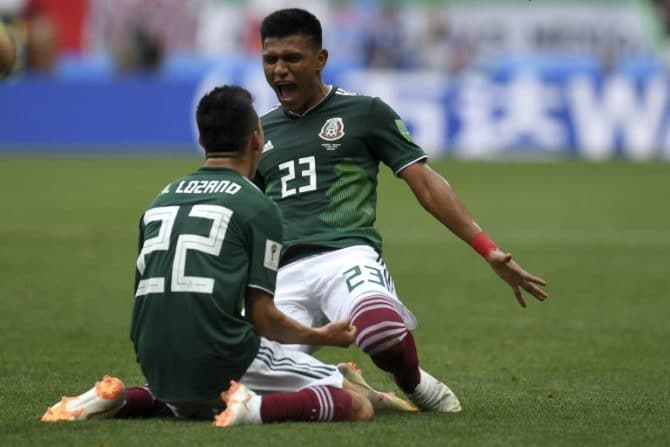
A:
(205, 239)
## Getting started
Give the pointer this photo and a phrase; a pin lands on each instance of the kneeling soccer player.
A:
(209, 247)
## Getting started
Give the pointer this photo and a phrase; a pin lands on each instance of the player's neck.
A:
(319, 96)
(236, 164)
(323, 91)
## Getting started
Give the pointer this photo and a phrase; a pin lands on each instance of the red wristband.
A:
(483, 244)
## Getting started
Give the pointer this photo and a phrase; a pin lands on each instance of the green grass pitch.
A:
(591, 366)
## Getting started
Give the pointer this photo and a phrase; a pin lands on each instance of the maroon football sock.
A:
(402, 361)
(323, 403)
(382, 335)
(140, 403)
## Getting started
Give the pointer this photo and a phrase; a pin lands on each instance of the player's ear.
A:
(256, 140)
(321, 59)
(254, 151)
(200, 141)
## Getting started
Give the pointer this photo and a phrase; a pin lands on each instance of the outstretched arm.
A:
(271, 323)
(439, 199)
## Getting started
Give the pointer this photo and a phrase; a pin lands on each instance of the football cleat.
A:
(237, 412)
(432, 395)
(102, 401)
(378, 399)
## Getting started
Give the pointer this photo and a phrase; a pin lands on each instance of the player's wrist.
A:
(315, 336)
(483, 244)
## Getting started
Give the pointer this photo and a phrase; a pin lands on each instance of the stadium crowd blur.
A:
(123, 36)
(137, 35)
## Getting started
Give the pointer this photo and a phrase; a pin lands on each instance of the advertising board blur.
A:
(519, 112)
(506, 27)
(513, 112)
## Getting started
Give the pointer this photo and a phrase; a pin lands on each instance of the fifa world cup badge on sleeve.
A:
(272, 252)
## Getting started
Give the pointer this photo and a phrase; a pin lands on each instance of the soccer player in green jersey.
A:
(320, 162)
(209, 247)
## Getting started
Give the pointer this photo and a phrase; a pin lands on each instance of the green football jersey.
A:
(205, 239)
(321, 168)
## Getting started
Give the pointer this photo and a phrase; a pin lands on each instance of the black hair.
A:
(290, 22)
(226, 117)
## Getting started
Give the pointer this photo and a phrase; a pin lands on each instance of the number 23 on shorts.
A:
(364, 274)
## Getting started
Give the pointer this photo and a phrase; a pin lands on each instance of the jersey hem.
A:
(327, 246)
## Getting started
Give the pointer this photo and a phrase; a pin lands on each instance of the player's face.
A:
(293, 67)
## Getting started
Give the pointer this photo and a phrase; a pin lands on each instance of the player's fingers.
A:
(343, 339)
(343, 323)
(519, 298)
(535, 279)
(536, 291)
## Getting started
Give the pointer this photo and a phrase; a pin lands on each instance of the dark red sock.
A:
(402, 361)
(382, 335)
(323, 403)
(140, 403)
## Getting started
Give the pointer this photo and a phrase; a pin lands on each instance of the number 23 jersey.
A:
(321, 168)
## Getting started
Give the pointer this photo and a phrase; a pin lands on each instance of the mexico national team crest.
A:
(332, 129)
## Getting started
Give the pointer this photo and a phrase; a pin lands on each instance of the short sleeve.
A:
(265, 237)
(389, 140)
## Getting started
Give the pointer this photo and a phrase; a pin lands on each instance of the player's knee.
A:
(361, 408)
(379, 324)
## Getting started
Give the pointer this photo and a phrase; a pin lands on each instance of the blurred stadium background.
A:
(485, 79)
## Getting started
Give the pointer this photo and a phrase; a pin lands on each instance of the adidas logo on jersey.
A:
(268, 146)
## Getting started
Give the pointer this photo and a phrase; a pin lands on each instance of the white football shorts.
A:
(279, 369)
(321, 288)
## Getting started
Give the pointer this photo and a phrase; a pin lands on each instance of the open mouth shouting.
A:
(286, 91)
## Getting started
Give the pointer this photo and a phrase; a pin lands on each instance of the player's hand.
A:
(338, 333)
(516, 277)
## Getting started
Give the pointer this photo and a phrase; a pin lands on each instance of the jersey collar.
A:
(331, 92)
(218, 169)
